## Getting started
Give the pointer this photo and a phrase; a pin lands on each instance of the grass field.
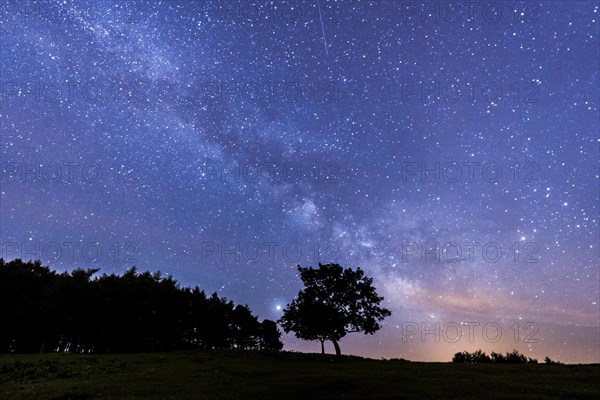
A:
(249, 375)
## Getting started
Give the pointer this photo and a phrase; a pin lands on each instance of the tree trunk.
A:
(338, 352)
(322, 346)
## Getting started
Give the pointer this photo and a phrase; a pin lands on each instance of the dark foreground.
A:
(247, 375)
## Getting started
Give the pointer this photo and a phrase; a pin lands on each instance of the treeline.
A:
(44, 311)
(513, 357)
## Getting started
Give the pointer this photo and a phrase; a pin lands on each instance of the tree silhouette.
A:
(479, 356)
(246, 328)
(515, 357)
(334, 302)
(269, 337)
(462, 357)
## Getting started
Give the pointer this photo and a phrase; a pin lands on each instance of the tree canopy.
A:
(334, 302)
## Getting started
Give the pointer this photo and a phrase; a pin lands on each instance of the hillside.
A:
(254, 375)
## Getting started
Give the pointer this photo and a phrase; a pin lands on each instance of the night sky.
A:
(448, 149)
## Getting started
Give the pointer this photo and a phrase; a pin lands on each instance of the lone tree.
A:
(334, 302)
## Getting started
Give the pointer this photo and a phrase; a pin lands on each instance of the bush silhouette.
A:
(479, 357)
(547, 360)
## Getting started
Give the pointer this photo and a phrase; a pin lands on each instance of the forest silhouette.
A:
(42, 310)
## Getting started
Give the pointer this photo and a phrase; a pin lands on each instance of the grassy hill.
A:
(251, 375)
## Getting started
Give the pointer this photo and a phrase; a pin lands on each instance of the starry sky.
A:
(448, 149)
